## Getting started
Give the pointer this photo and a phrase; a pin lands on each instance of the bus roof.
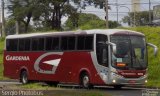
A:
(94, 31)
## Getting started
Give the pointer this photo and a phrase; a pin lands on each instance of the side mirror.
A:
(155, 48)
(114, 47)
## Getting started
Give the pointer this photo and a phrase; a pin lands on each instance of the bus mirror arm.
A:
(114, 48)
(155, 48)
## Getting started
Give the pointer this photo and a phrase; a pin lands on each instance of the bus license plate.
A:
(132, 81)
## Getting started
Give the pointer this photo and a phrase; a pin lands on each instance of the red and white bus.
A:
(92, 57)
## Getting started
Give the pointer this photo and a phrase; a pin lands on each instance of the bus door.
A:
(102, 56)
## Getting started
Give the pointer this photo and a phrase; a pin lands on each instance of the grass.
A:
(1, 58)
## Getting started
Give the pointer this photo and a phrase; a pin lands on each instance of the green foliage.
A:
(46, 15)
(10, 26)
(89, 21)
(141, 18)
(1, 57)
(93, 24)
(23, 10)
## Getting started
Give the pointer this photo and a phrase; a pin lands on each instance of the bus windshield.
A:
(131, 52)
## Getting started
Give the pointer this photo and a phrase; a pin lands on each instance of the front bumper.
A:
(116, 79)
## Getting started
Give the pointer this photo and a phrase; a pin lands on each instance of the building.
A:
(135, 5)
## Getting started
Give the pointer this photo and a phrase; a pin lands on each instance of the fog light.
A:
(114, 81)
(146, 81)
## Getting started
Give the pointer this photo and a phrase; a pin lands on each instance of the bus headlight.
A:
(114, 81)
(146, 81)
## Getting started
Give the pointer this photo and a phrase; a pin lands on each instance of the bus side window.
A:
(71, 43)
(12, 44)
(64, 42)
(102, 50)
(55, 43)
(48, 43)
(38, 44)
(21, 45)
(80, 42)
(85, 42)
(89, 43)
(41, 44)
(27, 44)
(34, 44)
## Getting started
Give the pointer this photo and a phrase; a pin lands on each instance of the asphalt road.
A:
(125, 91)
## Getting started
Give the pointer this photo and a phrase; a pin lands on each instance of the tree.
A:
(23, 10)
(141, 18)
(48, 13)
(89, 21)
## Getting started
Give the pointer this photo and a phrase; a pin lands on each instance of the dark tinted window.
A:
(85, 42)
(64, 42)
(71, 43)
(80, 42)
(41, 44)
(55, 43)
(88, 42)
(21, 45)
(27, 44)
(49, 43)
(37, 44)
(52, 43)
(12, 44)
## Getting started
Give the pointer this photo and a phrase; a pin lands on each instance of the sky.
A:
(122, 9)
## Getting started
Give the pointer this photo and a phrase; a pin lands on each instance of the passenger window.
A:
(85, 42)
(55, 43)
(41, 44)
(49, 43)
(71, 43)
(12, 44)
(38, 44)
(27, 44)
(21, 45)
(89, 43)
(80, 42)
(64, 43)
(35, 44)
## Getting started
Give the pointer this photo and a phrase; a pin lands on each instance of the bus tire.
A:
(85, 81)
(24, 77)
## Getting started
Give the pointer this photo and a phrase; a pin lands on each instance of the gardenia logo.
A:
(17, 58)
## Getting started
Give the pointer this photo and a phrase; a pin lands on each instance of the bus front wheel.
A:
(85, 81)
(24, 77)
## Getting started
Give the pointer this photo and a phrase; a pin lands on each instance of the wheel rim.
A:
(85, 81)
